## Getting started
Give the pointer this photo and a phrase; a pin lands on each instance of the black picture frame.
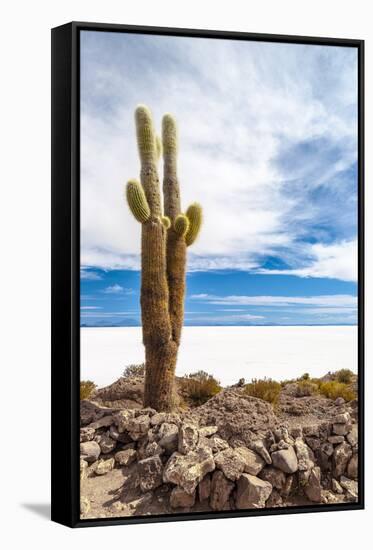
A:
(66, 263)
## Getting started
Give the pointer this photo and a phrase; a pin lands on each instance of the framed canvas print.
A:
(207, 274)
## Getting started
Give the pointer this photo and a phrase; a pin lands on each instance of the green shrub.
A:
(305, 376)
(87, 387)
(134, 370)
(199, 387)
(345, 376)
(335, 389)
(266, 389)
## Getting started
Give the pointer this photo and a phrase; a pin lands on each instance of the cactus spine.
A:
(164, 240)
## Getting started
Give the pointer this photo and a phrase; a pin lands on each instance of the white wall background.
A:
(25, 270)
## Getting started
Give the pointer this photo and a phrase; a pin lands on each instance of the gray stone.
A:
(138, 427)
(252, 492)
(152, 449)
(351, 488)
(274, 476)
(343, 418)
(121, 437)
(90, 451)
(204, 488)
(339, 401)
(122, 418)
(352, 467)
(221, 489)
(125, 458)
(215, 443)
(230, 463)
(168, 437)
(86, 434)
(313, 487)
(207, 431)
(327, 448)
(341, 429)
(149, 473)
(352, 436)
(104, 466)
(188, 470)
(303, 453)
(254, 463)
(106, 443)
(104, 422)
(286, 460)
(336, 487)
(188, 438)
(341, 456)
(259, 447)
(181, 499)
(83, 469)
(336, 439)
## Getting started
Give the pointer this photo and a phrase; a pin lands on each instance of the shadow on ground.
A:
(40, 509)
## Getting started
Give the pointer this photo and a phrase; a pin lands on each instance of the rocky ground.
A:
(233, 452)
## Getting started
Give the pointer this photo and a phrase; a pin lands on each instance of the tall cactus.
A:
(165, 237)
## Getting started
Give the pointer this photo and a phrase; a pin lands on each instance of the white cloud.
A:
(337, 300)
(89, 275)
(237, 104)
(89, 307)
(118, 289)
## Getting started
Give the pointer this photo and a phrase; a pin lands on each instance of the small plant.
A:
(87, 388)
(335, 389)
(200, 386)
(266, 389)
(305, 376)
(345, 376)
(306, 388)
(134, 370)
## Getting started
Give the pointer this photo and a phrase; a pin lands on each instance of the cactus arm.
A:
(137, 201)
(181, 225)
(166, 222)
(194, 214)
(171, 191)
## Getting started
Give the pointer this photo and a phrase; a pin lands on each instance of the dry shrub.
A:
(134, 370)
(87, 388)
(199, 387)
(266, 389)
(305, 388)
(335, 389)
(344, 376)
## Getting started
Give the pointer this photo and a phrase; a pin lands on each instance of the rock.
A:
(274, 500)
(106, 443)
(327, 448)
(231, 463)
(162, 417)
(352, 467)
(149, 473)
(290, 485)
(138, 427)
(85, 505)
(313, 487)
(86, 434)
(168, 437)
(121, 437)
(303, 453)
(336, 487)
(152, 449)
(104, 466)
(141, 503)
(343, 418)
(252, 492)
(188, 438)
(207, 431)
(274, 476)
(215, 443)
(83, 469)
(181, 499)
(336, 439)
(339, 401)
(352, 436)
(125, 458)
(351, 488)
(314, 443)
(296, 432)
(341, 456)
(204, 488)
(221, 489)
(122, 418)
(259, 447)
(90, 451)
(341, 429)
(254, 463)
(286, 460)
(104, 422)
(188, 470)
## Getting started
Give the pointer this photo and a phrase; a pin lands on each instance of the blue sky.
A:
(268, 146)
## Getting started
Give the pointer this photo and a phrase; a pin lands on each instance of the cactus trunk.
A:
(163, 257)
